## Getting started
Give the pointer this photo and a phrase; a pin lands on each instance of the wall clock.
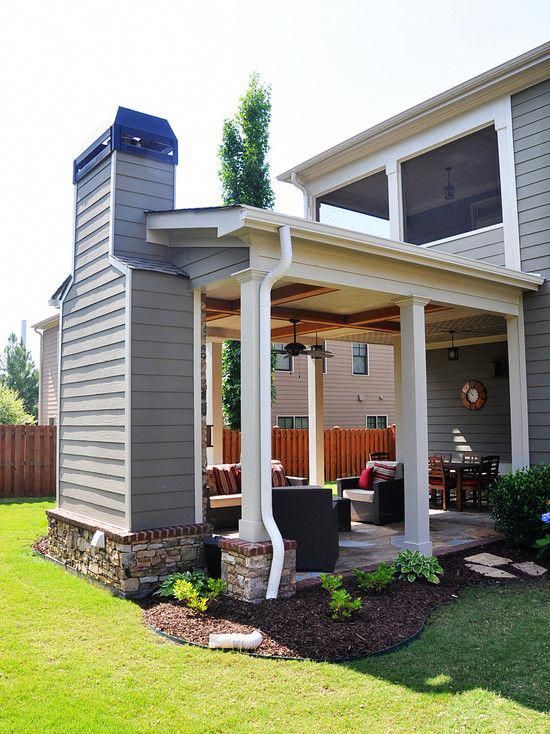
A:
(474, 395)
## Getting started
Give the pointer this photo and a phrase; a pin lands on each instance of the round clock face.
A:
(474, 395)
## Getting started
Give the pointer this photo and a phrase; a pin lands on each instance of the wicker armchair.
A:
(383, 504)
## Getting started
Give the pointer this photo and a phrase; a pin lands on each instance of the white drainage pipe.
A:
(236, 641)
(273, 531)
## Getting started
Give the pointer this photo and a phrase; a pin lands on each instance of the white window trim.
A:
(462, 235)
(497, 112)
(360, 374)
(377, 415)
(277, 418)
(285, 372)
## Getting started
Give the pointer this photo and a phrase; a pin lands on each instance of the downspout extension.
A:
(273, 531)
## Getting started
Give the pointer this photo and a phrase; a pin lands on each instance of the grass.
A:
(75, 659)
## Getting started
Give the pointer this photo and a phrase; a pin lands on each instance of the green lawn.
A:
(75, 659)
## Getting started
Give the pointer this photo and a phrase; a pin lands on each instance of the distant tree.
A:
(244, 174)
(12, 410)
(18, 372)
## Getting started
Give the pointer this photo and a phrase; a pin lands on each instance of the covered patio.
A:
(340, 285)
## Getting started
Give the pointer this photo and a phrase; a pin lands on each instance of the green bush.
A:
(375, 581)
(342, 605)
(198, 597)
(413, 565)
(12, 410)
(517, 502)
(198, 579)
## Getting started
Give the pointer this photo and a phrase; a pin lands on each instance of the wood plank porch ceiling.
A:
(378, 319)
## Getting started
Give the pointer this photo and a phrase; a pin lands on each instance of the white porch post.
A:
(251, 527)
(214, 400)
(398, 389)
(414, 433)
(517, 370)
(316, 420)
(394, 200)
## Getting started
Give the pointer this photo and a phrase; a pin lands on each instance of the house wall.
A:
(341, 387)
(451, 426)
(49, 387)
(486, 244)
(162, 401)
(92, 376)
(207, 264)
(531, 126)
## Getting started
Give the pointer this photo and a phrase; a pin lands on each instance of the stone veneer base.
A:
(132, 563)
(245, 568)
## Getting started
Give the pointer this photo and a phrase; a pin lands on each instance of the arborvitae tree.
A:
(19, 373)
(244, 174)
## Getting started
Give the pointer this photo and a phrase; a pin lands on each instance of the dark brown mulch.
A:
(301, 627)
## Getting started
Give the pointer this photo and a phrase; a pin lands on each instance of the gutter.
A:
(273, 531)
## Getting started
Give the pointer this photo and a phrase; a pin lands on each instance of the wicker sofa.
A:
(224, 510)
(383, 504)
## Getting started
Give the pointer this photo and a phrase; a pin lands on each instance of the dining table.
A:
(458, 467)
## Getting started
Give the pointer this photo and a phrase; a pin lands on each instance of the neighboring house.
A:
(358, 387)
(460, 185)
(48, 370)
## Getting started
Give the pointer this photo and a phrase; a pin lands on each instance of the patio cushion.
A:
(226, 479)
(225, 500)
(359, 495)
(278, 478)
(385, 470)
(365, 480)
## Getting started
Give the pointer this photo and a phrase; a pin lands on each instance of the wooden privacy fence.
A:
(27, 461)
(346, 449)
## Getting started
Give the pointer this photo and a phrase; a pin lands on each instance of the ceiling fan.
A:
(295, 348)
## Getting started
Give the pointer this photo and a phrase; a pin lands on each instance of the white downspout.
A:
(265, 412)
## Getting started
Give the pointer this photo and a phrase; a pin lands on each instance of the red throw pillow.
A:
(365, 480)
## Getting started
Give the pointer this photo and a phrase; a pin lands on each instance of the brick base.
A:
(132, 564)
(245, 568)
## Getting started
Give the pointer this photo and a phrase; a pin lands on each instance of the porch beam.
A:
(413, 443)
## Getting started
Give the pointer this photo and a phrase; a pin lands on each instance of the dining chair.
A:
(439, 480)
(446, 457)
(379, 456)
(489, 472)
(472, 482)
(472, 458)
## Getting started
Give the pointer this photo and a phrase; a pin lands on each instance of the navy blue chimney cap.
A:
(133, 132)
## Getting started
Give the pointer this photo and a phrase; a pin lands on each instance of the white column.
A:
(251, 527)
(508, 194)
(414, 433)
(214, 400)
(394, 200)
(398, 388)
(197, 403)
(519, 422)
(316, 420)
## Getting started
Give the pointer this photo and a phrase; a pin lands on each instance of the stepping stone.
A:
(488, 559)
(491, 571)
(528, 567)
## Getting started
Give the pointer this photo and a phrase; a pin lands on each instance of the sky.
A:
(335, 69)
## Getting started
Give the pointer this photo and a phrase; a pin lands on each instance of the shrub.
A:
(543, 544)
(517, 502)
(413, 565)
(198, 579)
(198, 597)
(12, 410)
(342, 605)
(375, 581)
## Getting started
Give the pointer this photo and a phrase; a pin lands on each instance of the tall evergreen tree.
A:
(244, 174)
(19, 373)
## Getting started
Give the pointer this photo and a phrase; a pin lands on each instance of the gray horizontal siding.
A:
(49, 376)
(207, 264)
(531, 126)
(162, 400)
(485, 245)
(451, 427)
(93, 416)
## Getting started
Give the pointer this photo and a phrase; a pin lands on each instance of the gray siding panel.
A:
(162, 400)
(207, 264)
(485, 245)
(451, 427)
(92, 424)
(49, 376)
(531, 125)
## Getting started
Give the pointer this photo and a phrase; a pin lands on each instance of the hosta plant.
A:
(198, 598)
(413, 565)
(198, 579)
(375, 581)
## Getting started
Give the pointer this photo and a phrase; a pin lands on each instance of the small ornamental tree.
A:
(12, 410)
(244, 175)
(19, 373)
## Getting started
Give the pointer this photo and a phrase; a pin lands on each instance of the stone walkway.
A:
(367, 545)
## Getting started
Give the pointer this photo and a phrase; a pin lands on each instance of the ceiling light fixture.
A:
(449, 189)
(452, 351)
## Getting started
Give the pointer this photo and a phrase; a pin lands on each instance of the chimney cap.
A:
(134, 132)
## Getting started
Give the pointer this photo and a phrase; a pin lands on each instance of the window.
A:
(283, 362)
(292, 421)
(452, 189)
(377, 421)
(362, 206)
(360, 359)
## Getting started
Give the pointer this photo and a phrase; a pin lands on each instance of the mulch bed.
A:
(300, 627)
